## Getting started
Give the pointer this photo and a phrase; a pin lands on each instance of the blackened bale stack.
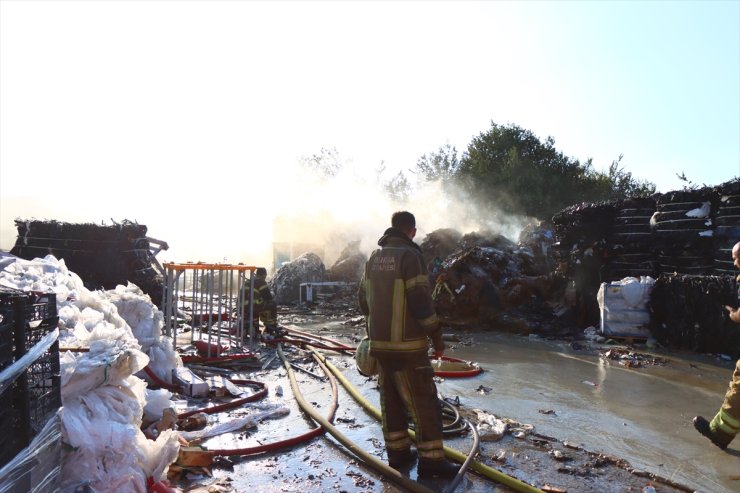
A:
(688, 312)
(631, 242)
(683, 231)
(582, 232)
(727, 226)
(103, 256)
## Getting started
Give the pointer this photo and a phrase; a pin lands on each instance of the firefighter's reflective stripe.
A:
(429, 322)
(414, 345)
(420, 280)
(366, 287)
(726, 423)
(398, 311)
(397, 440)
(432, 449)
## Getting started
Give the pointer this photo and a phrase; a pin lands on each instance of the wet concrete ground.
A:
(642, 416)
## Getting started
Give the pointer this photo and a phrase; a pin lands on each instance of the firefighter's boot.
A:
(718, 437)
(437, 469)
(401, 458)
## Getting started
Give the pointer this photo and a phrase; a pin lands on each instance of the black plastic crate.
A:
(35, 396)
(28, 403)
(43, 389)
(6, 338)
(39, 317)
(14, 428)
(9, 306)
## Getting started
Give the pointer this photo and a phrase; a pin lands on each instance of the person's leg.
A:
(727, 420)
(415, 386)
(394, 416)
(269, 318)
(726, 423)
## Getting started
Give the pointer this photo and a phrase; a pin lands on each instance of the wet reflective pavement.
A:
(641, 415)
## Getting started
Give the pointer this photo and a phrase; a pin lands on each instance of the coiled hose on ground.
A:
(369, 459)
(479, 467)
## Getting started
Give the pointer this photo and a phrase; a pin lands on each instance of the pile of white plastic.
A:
(103, 399)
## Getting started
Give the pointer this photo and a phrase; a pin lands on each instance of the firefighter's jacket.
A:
(262, 294)
(395, 296)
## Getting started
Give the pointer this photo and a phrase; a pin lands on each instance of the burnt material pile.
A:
(440, 243)
(285, 285)
(487, 275)
(349, 266)
(688, 312)
(103, 256)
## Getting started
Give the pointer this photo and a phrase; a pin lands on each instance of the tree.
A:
(327, 163)
(509, 168)
(398, 188)
(624, 185)
(523, 173)
(442, 165)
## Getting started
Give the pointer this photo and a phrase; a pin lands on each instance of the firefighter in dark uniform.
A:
(265, 308)
(726, 423)
(395, 296)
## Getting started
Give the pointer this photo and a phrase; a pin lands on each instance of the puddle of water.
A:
(643, 415)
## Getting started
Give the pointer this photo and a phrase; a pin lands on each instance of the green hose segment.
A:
(453, 454)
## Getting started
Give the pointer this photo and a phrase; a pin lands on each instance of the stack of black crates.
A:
(34, 397)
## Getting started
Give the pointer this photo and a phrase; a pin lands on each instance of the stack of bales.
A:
(631, 240)
(727, 226)
(688, 312)
(582, 232)
(103, 256)
(683, 231)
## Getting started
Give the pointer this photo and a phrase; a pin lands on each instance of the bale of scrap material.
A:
(688, 312)
(349, 265)
(683, 231)
(103, 256)
(440, 243)
(586, 222)
(285, 285)
(539, 238)
(727, 226)
(471, 279)
(582, 234)
(631, 243)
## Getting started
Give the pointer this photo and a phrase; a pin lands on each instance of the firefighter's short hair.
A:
(403, 220)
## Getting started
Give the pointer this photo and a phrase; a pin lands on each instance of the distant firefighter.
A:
(265, 308)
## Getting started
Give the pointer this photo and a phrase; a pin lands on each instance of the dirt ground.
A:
(323, 464)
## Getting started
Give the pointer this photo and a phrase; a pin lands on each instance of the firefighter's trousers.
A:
(727, 420)
(407, 389)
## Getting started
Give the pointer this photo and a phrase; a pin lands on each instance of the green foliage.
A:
(508, 168)
(624, 185)
(398, 188)
(326, 163)
(442, 165)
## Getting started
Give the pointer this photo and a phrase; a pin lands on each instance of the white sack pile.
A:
(103, 401)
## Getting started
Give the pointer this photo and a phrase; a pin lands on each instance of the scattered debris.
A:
(631, 359)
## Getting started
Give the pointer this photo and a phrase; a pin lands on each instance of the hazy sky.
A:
(189, 116)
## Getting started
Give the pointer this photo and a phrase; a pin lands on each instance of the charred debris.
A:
(545, 283)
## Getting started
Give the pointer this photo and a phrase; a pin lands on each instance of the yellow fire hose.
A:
(453, 454)
(369, 459)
